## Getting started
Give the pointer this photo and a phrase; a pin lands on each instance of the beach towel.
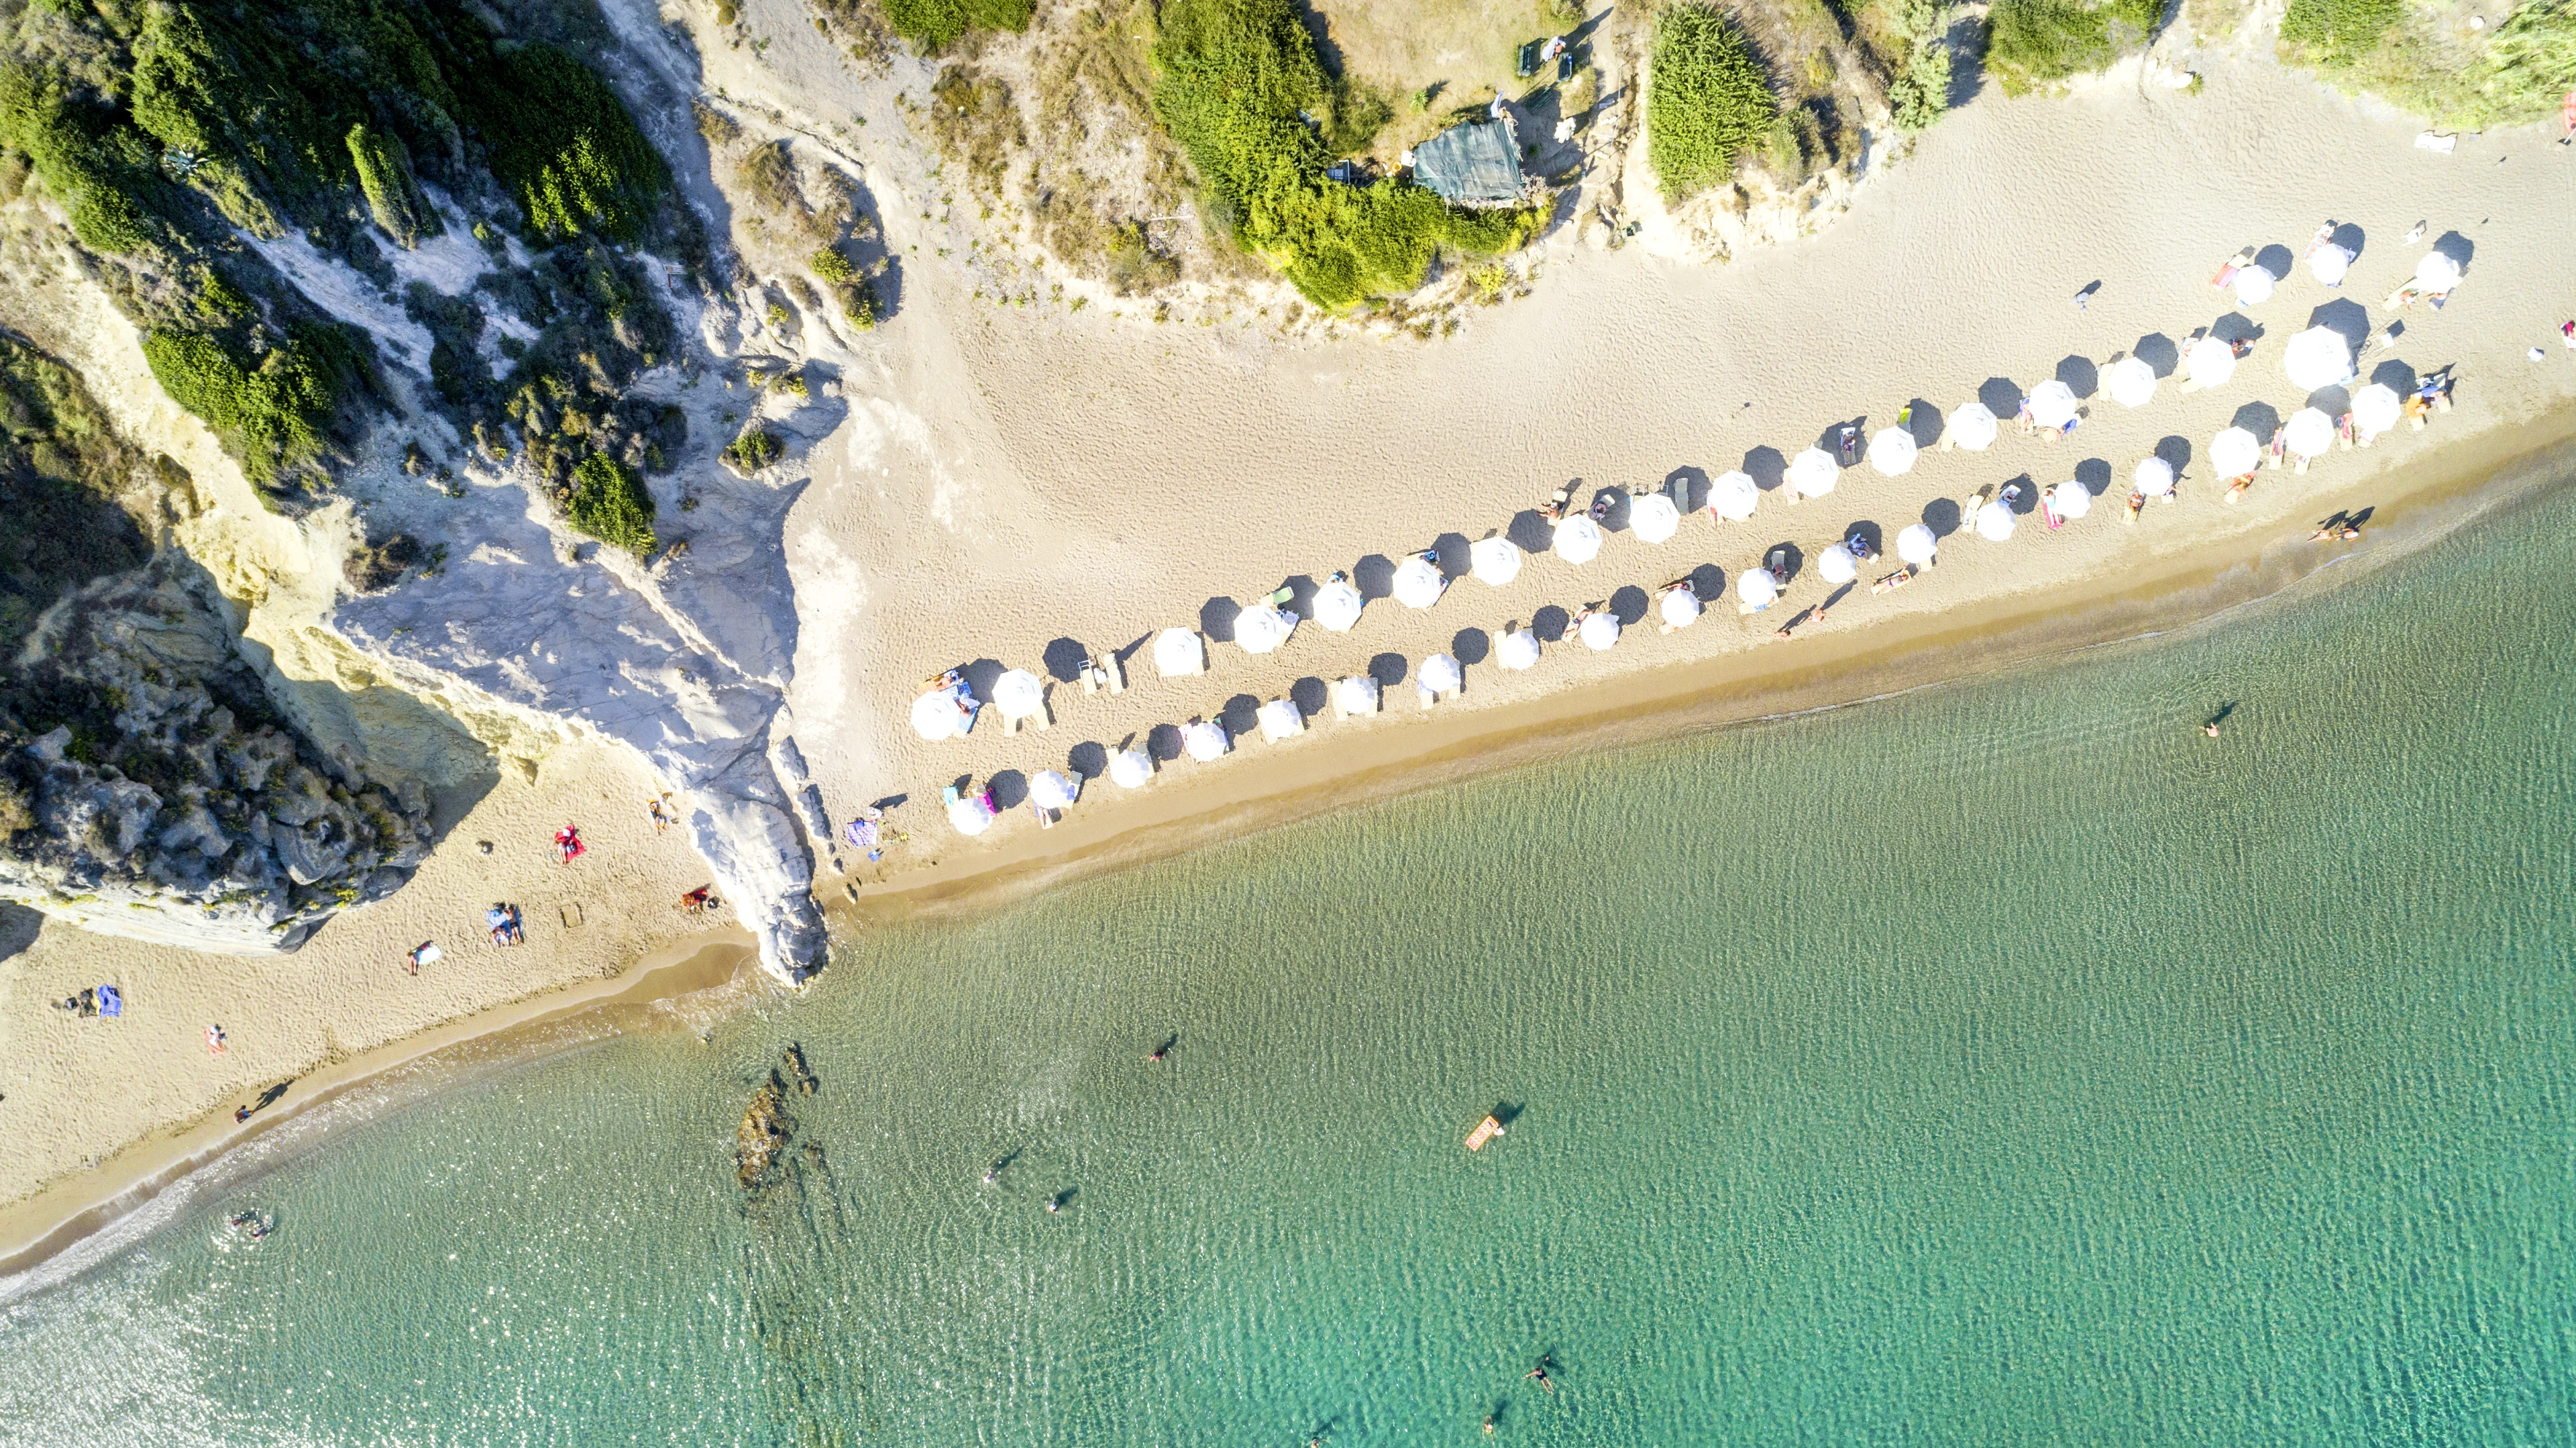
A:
(862, 833)
(428, 954)
(110, 1002)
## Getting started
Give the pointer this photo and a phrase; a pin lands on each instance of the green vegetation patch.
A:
(274, 412)
(568, 151)
(2515, 75)
(610, 504)
(1708, 102)
(1231, 77)
(2030, 43)
(90, 163)
(757, 448)
(935, 25)
(1919, 93)
(61, 469)
(393, 193)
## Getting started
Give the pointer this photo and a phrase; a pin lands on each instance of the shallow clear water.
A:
(2005, 1063)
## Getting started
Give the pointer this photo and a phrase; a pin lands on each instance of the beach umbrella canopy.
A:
(1733, 496)
(1892, 450)
(1756, 587)
(1131, 768)
(2155, 478)
(2234, 452)
(1279, 719)
(2070, 499)
(2329, 264)
(1494, 560)
(2437, 273)
(1916, 545)
(1600, 630)
(1049, 789)
(1019, 694)
(968, 815)
(1440, 674)
(1517, 650)
(1357, 694)
(1578, 539)
(2210, 362)
(2131, 382)
(1418, 582)
(1653, 518)
(1204, 740)
(2254, 285)
(1973, 427)
(2052, 404)
(2318, 357)
(1995, 521)
(2309, 433)
(1337, 606)
(1680, 607)
(1836, 565)
(1178, 651)
(1263, 627)
(1814, 472)
(2375, 408)
(940, 715)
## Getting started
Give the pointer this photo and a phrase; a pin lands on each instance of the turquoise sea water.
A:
(2001, 1064)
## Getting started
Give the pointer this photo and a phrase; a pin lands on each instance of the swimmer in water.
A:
(2210, 728)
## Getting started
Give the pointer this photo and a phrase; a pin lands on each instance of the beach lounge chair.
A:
(1893, 581)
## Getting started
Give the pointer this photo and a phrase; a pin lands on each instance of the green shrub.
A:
(275, 413)
(2529, 66)
(610, 504)
(73, 152)
(1708, 102)
(393, 194)
(757, 448)
(2335, 32)
(1920, 92)
(934, 25)
(832, 267)
(563, 144)
(1230, 79)
(2030, 43)
(61, 467)
(2519, 76)
(859, 303)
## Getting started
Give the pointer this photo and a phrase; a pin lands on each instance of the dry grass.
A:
(976, 121)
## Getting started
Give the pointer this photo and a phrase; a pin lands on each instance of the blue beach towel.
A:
(109, 1002)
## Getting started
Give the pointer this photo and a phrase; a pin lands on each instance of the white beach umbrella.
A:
(1356, 694)
(1050, 789)
(1517, 650)
(2254, 285)
(2209, 362)
(1757, 587)
(2052, 404)
(2375, 408)
(1578, 539)
(1495, 560)
(1178, 651)
(2318, 357)
(2131, 382)
(1813, 473)
(2070, 500)
(1418, 582)
(1733, 496)
(1995, 521)
(938, 715)
(2437, 273)
(1263, 627)
(1131, 768)
(1653, 518)
(1440, 674)
(1680, 607)
(1337, 606)
(2329, 264)
(1892, 450)
(968, 815)
(1601, 630)
(2309, 433)
(1972, 427)
(1836, 565)
(2155, 478)
(1019, 694)
(1204, 740)
(2234, 452)
(1916, 545)
(1279, 719)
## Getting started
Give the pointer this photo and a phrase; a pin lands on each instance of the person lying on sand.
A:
(2237, 263)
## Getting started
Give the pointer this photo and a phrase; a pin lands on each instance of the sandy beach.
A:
(1024, 487)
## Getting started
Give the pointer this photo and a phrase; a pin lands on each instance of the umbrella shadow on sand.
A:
(2080, 375)
(2175, 449)
(1942, 516)
(1163, 742)
(1216, 619)
(1389, 669)
(2093, 475)
(1550, 623)
(1088, 760)
(2396, 376)
(1768, 469)
(2276, 259)
(1241, 715)
(2346, 318)
(2159, 352)
(2000, 396)
(1923, 422)
(1687, 487)
(1064, 660)
(1471, 646)
(1452, 551)
(2259, 418)
(1374, 577)
(1531, 531)
(2236, 327)
(1629, 605)
(1310, 695)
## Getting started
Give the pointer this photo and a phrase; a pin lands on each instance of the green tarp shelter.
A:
(1474, 164)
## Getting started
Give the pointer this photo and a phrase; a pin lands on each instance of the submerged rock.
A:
(764, 1131)
(150, 789)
